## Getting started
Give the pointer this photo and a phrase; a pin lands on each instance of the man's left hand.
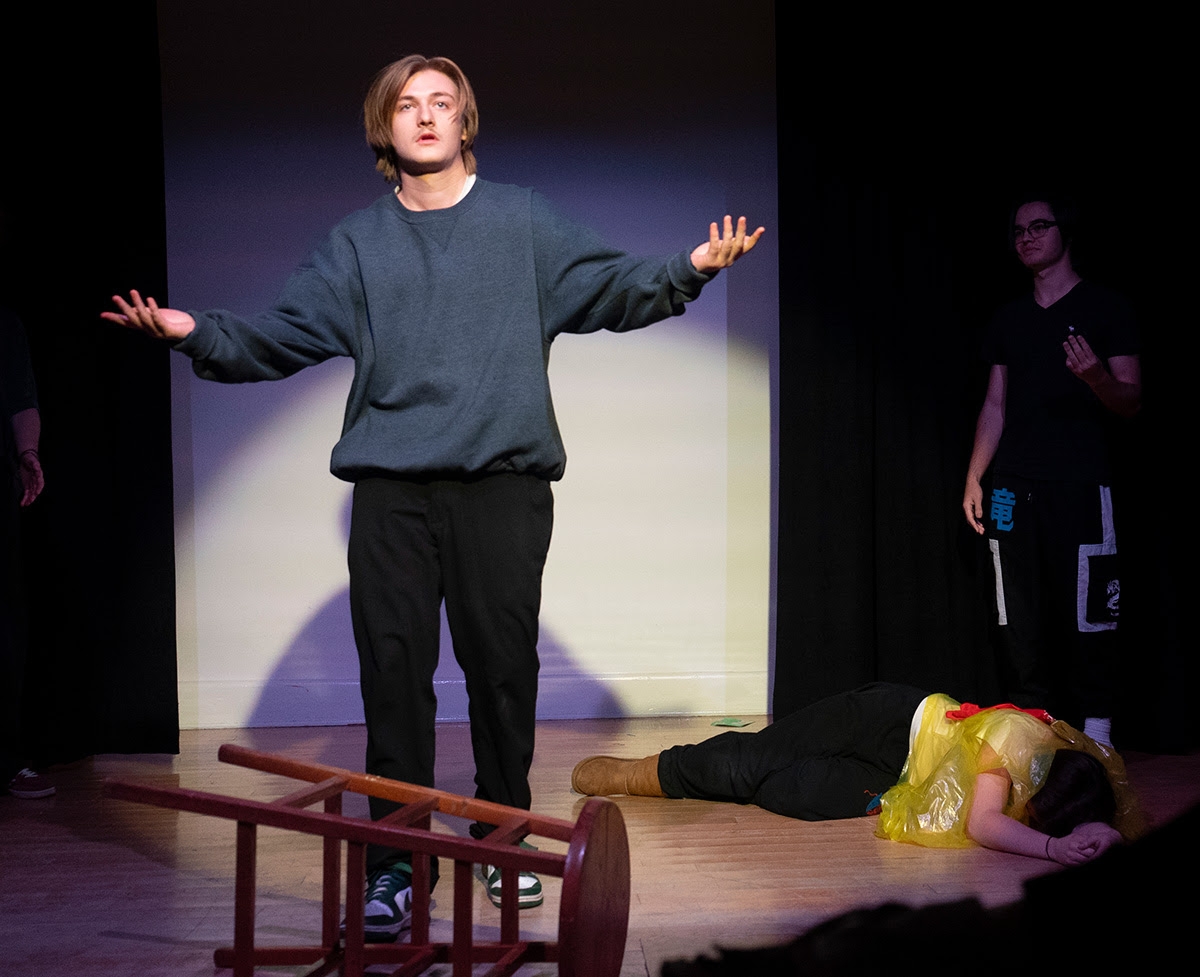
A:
(722, 250)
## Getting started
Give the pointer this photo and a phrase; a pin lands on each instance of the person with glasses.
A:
(1064, 366)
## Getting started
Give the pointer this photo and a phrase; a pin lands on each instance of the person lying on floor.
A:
(938, 773)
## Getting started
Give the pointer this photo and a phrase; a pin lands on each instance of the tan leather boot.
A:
(599, 775)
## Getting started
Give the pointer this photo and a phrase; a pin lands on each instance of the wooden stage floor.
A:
(95, 887)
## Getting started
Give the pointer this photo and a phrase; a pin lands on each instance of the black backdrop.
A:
(83, 190)
(896, 162)
(893, 220)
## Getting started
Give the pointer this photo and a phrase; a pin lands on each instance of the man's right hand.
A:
(149, 318)
(973, 504)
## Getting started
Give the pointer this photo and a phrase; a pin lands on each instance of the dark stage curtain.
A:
(84, 199)
(878, 395)
(893, 206)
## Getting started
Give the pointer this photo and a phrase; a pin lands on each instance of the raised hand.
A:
(147, 317)
(722, 250)
(1081, 361)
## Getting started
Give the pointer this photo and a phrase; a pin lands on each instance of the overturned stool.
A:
(593, 914)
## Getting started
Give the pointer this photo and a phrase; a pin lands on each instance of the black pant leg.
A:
(1054, 555)
(1019, 576)
(1084, 561)
(12, 635)
(826, 788)
(835, 741)
(395, 600)
(496, 536)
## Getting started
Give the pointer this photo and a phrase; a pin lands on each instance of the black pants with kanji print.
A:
(480, 544)
(1053, 549)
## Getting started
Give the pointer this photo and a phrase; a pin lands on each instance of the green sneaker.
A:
(389, 903)
(529, 886)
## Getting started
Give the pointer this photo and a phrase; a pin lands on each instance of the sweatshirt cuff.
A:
(197, 344)
(685, 277)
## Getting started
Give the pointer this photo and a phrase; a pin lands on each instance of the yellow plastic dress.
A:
(929, 805)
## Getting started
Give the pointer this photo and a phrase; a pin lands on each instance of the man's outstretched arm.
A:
(722, 250)
(147, 317)
(225, 347)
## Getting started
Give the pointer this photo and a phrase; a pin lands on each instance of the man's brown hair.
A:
(380, 107)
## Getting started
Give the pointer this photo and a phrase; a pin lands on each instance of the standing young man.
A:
(447, 293)
(1064, 364)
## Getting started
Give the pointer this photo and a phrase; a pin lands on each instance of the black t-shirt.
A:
(1055, 427)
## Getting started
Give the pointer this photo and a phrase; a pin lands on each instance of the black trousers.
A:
(828, 760)
(480, 545)
(12, 632)
(1053, 549)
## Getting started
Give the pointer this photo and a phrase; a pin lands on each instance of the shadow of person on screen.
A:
(315, 682)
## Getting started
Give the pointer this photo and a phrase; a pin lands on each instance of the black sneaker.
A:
(389, 903)
(30, 785)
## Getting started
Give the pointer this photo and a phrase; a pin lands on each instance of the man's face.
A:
(427, 129)
(1038, 253)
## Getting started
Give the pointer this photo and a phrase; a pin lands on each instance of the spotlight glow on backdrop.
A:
(657, 589)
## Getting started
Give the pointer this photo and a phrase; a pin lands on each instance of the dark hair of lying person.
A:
(1076, 792)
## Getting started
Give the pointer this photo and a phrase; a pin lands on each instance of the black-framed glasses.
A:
(1035, 229)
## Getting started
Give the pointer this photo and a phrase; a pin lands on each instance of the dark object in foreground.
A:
(1080, 920)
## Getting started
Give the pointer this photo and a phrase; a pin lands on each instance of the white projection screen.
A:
(657, 596)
